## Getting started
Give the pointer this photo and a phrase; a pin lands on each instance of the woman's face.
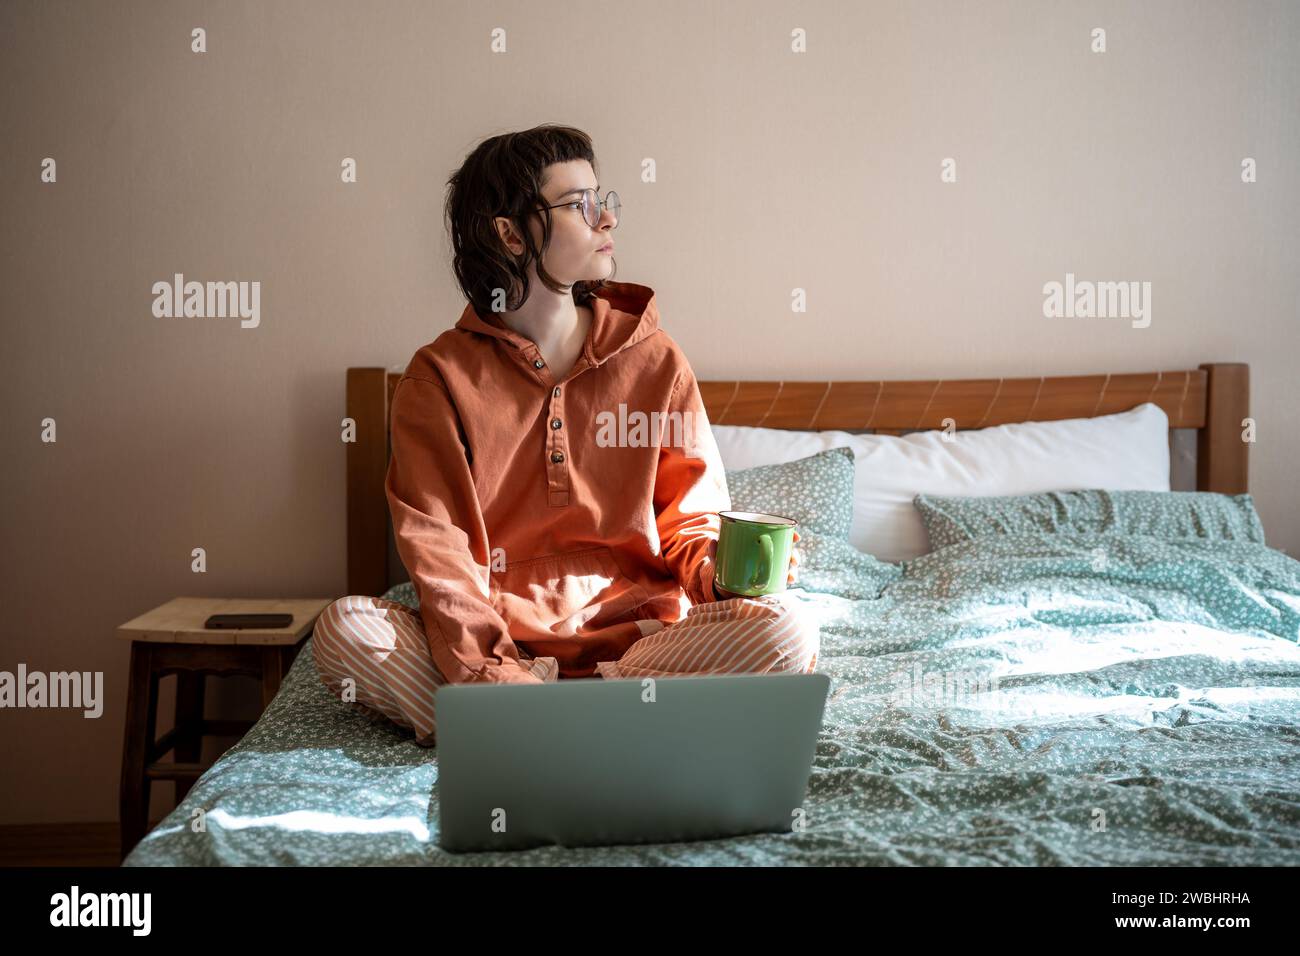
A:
(574, 253)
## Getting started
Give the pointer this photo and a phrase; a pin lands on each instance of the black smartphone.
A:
(248, 620)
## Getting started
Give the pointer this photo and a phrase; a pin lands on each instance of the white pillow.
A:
(1128, 451)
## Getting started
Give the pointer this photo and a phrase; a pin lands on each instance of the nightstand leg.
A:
(290, 653)
(188, 724)
(141, 701)
(272, 673)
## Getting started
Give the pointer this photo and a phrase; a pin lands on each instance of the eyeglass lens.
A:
(591, 207)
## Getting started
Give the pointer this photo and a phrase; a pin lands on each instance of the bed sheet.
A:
(1014, 700)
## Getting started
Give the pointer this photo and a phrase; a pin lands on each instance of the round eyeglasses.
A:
(592, 204)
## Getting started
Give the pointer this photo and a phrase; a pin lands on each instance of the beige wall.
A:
(775, 171)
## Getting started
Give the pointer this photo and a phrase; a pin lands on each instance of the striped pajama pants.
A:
(379, 649)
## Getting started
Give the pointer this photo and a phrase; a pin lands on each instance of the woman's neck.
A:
(545, 318)
(556, 325)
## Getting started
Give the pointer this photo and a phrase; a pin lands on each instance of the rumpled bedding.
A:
(1021, 699)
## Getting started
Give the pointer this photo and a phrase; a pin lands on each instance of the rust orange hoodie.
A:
(552, 514)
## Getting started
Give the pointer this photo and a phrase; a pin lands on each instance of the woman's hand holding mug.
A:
(723, 595)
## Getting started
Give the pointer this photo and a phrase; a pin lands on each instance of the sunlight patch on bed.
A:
(318, 821)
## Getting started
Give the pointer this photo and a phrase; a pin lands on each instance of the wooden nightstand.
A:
(171, 639)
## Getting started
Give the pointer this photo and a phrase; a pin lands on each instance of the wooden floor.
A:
(60, 844)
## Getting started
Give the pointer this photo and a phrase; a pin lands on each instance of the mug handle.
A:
(764, 569)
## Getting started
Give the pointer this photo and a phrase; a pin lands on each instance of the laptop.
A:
(595, 761)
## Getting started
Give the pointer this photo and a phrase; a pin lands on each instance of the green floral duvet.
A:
(1015, 699)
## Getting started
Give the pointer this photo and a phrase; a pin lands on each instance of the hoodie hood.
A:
(624, 313)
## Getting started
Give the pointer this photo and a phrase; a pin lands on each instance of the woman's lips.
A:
(608, 248)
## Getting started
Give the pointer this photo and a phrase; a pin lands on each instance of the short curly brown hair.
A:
(502, 176)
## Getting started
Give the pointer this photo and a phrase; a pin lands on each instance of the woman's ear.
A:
(509, 235)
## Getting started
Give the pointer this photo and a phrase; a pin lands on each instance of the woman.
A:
(553, 485)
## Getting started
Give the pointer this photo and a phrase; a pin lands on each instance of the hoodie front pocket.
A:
(565, 595)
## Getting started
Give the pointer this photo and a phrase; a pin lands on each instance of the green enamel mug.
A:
(754, 552)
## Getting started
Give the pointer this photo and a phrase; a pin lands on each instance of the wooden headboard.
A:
(1213, 399)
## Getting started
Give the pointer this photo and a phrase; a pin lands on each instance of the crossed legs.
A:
(373, 653)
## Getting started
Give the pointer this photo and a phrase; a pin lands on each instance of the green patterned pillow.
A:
(816, 491)
(1164, 514)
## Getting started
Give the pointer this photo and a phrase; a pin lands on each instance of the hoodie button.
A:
(555, 423)
(538, 363)
(557, 391)
(557, 456)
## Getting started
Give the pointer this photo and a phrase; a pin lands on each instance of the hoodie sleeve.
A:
(442, 540)
(690, 490)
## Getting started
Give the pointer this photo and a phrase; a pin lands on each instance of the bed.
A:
(1148, 711)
